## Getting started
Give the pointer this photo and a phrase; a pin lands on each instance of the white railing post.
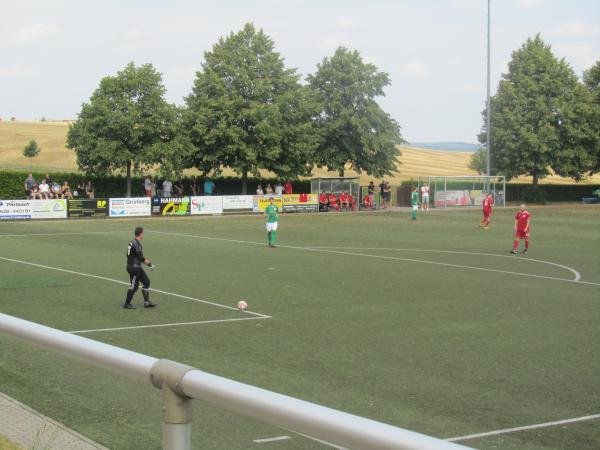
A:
(176, 406)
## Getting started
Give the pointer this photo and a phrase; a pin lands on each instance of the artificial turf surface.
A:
(394, 326)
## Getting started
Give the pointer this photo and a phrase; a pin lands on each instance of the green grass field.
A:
(428, 325)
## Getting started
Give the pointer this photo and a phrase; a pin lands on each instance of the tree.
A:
(478, 161)
(247, 111)
(537, 118)
(31, 150)
(126, 125)
(591, 80)
(354, 130)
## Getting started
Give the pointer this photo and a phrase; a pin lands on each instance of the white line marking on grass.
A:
(576, 274)
(366, 255)
(273, 439)
(201, 322)
(172, 294)
(527, 427)
(320, 441)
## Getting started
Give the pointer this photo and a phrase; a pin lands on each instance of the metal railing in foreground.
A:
(180, 384)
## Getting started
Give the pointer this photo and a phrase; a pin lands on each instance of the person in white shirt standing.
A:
(148, 186)
(166, 188)
(425, 197)
(278, 189)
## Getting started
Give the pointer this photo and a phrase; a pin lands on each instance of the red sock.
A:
(516, 244)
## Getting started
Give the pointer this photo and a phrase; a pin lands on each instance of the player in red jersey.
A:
(488, 202)
(333, 201)
(522, 227)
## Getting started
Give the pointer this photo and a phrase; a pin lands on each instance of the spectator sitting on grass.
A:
(44, 190)
(29, 182)
(65, 191)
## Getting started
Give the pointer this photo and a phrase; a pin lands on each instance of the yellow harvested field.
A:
(51, 137)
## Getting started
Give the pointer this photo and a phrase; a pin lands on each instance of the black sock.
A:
(146, 295)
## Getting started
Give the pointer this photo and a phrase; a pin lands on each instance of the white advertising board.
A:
(238, 202)
(33, 209)
(15, 209)
(127, 207)
(207, 204)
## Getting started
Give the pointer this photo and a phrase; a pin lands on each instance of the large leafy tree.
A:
(538, 117)
(247, 111)
(355, 132)
(127, 124)
(591, 80)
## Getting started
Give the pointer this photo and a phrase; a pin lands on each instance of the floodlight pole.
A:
(488, 112)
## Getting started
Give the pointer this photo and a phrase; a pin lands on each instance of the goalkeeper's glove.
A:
(152, 266)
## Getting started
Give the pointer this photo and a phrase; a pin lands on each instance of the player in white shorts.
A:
(425, 197)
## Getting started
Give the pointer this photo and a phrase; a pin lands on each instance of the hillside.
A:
(55, 156)
(448, 146)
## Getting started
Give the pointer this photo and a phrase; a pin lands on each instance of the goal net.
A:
(463, 191)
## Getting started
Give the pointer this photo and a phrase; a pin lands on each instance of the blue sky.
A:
(53, 54)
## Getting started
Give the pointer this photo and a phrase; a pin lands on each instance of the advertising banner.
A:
(88, 208)
(206, 205)
(238, 203)
(170, 206)
(260, 202)
(128, 207)
(48, 209)
(300, 202)
(15, 209)
(452, 198)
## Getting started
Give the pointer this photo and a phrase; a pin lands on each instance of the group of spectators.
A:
(48, 189)
(279, 189)
(170, 189)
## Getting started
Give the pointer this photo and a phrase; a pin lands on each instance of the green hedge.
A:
(11, 184)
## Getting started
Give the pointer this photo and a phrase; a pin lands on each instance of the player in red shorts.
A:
(351, 201)
(333, 202)
(488, 202)
(522, 227)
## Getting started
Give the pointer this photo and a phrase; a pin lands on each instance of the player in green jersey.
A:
(272, 213)
(414, 201)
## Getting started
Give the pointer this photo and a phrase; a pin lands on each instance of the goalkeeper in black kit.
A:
(135, 259)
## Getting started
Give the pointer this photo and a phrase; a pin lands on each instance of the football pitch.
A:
(428, 325)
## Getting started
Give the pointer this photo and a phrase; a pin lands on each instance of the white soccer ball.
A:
(242, 305)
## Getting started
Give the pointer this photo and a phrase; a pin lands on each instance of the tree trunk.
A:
(244, 182)
(535, 181)
(128, 179)
(341, 172)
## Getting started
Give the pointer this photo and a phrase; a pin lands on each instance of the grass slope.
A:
(55, 156)
(402, 336)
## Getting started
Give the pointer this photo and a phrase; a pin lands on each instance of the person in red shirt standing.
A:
(287, 187)
(522, 227)
(488, 202)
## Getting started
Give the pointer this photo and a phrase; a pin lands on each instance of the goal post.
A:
(463, 191)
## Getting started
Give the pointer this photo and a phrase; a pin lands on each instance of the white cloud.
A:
(581, 55)
(15, 71)
(414, 68)
(34, 33)
(531, 3)
(577, 29)
(346, 22)
(332, 42)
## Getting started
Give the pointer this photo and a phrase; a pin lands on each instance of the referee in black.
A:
(135, 259)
